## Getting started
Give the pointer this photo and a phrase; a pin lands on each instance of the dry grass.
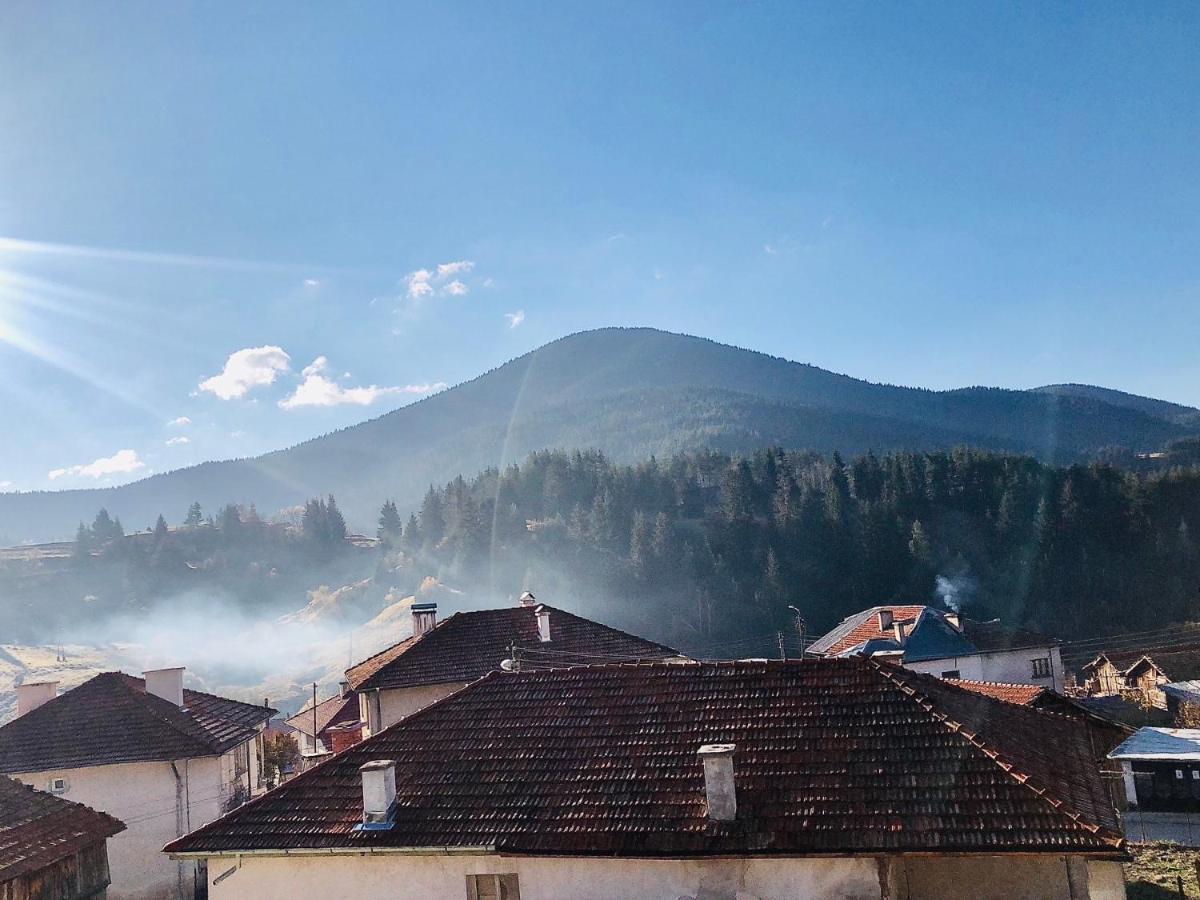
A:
(1156, 870)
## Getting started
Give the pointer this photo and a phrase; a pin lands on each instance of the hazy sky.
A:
(928, 194)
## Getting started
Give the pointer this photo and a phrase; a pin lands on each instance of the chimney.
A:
(719, 789)
(885, 619)
(166, 683)
(379, 790)
(527, 599)
(33, 694)
(898, 632)
(344, 688)
(424, 617)
(954, 619)
(543, 620)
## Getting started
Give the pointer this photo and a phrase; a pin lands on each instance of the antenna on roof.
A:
(512, 664)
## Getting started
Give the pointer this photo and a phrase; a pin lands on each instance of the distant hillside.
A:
(629, 393)
(1163, 409)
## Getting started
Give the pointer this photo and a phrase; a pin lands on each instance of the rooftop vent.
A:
(527, 599)
(33, 694)
(166, 683)
(719, 789)
(885, 619)
(379, 792)
(424, 618)
(543, 620)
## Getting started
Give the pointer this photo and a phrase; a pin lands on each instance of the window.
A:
(953, 673)
(1179, 774)
(493, 887)
(1041, 667)
(58, 785)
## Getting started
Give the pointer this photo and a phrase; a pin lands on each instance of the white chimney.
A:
(33, 694)
(719, 788)
(424, 618)
(885, 619)
(527, 599)
(898, 632)
(379, 790)
(543, 620)
(166, 683)
(954, 619)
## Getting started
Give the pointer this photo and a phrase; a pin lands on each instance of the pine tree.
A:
(195, 515)
(433, 518)
(102, 526)
(390, 525)
(83, 542)
(160, 529)
(335, 525)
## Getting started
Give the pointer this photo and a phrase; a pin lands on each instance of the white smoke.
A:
(956, 590)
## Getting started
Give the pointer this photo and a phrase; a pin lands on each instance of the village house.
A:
(1139, 675)
(443, 657)
(50, 848)
(331, 728)
(753, 779)
(945, 643)
(162, 758)
(1161, 769)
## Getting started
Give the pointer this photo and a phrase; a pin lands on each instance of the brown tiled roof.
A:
(38, 829)
(334, 711)
(111, 719)
(1022, 694)
(468, 645)
(833, 756)
(862, 626)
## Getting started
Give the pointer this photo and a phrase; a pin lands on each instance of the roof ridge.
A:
(1001, 759)
(161, 714)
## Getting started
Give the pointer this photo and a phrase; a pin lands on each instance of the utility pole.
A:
(801, 626)
(314, 718)
(782, 651)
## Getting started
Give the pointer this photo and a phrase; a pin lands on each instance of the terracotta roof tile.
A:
(862, 626)
(111, 719)
(39, 829)
(1022, 694)
(334, 711)
(468, 645)
(833, 756)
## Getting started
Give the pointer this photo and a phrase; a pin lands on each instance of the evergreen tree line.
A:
(705, 547)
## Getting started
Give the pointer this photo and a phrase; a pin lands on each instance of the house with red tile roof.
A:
(162, 758)
(749, 779)
(51, 847)
(947, 644)
(443, 657)
(328, 728)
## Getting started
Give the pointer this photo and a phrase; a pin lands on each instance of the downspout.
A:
(180, 822)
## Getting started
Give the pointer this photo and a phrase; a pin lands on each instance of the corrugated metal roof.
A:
(1161, 743)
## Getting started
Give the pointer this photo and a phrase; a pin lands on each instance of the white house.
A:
(754, 780)
(159, 757)
(443, 657)
(946, 644)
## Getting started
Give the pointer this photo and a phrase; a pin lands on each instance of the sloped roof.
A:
(860, 627)
(39, 829)
(111, 719)
(1021, 694)
(932, 637)
(335, 710)
(833, 756)
(468, 645)
(1181, 744)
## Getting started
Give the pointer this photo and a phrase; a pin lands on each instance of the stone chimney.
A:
(885, 619)
(719, 788)
(344, 688)
(424, 618)
(527, 599)
(166, 683)
(543, 620)
(379, 790)
(33, 694)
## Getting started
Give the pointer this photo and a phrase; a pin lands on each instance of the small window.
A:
(1041, 668)
(1195, 775)
(493, 887)
(953, 673)
(58, 786)
(1179, 774)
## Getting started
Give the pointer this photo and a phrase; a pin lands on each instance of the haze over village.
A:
(645, 451)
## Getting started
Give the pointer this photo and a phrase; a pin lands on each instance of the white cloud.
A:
(318, 390)
(455, 288)
(312, 283)
(247, 369)
(461, 267)
(489, 282)
(181, 422)
(5, 485)
(515, 318)
(120, 463)
(418, 284)
(180, 439)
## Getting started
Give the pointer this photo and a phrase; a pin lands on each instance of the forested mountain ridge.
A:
(629, 393)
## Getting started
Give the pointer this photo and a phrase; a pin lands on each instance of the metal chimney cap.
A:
(376, 765)
(424, 607)
(716, 749)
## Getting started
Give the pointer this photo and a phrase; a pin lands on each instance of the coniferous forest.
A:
(704, 549)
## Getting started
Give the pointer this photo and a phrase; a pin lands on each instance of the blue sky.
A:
(927, 194)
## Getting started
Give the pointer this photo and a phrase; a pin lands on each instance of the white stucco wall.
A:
(1012, 666)
(418, 877)
(143, 796)
(400, 703)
